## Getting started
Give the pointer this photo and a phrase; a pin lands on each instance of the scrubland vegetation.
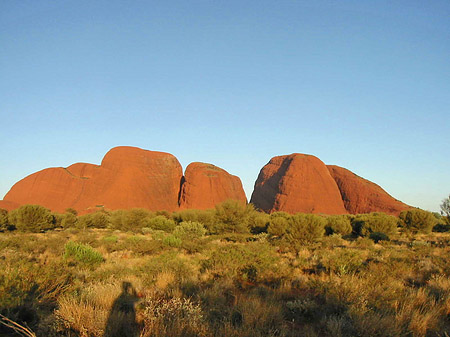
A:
(230, 271)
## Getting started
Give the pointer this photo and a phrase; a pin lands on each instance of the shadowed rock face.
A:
(206, 185)
(297, 183)
(128, 177)
(363, 196)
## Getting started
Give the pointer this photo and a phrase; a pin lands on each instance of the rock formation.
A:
(8, 205)
(130, 177)
(297, 183)
(127, 177)
(363, 196)
(206, 185)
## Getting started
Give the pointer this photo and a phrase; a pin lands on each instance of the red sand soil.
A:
(206, 185)
(297, 183)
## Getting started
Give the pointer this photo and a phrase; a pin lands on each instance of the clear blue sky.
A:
(360, 84)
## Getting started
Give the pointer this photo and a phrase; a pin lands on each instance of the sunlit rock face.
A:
(206, 185)
(363, 196)
(297, 183)
(128, 177)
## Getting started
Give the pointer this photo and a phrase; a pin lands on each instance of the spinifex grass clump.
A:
(82, 253)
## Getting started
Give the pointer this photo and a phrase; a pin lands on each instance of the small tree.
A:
(98, 219)
(32, 218)
(445, 209)
(418, 220)
(365, 224)
(338, 224)
(232, 216)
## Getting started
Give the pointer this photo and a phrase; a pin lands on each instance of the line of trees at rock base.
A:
(233, 217)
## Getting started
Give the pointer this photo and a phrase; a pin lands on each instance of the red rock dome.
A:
(363, 196)
(206, 185)
(297, 183)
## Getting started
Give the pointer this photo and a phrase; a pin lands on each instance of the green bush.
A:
(258, 222)
(69, 220)
(232, 216)
(278, 224)
(172, 241)
(418, 220)
(98, 219)
(32, 218)
(134, 219)
(338, 224)
(82, 253)
(4, 224)
(364, 224)
(189, 230)
(251, 262)
(306, 227)
(160, 222)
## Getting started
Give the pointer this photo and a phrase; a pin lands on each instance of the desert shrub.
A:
(160, 222)
(69, 220)
(4, 224)
(32, 218)
(188, 230)
(133, 219)
(232, 216)
(364, 224)
(168, 262)
(332, 240)
(278, 224)
(338, 224)
(172, 317)
(252, 262)
(98, 219)
(306, 227)
(258, 222)
(172, 241)
(376, 237)
(82, 253)
(111, 238)
(417, 220)
(441, 228)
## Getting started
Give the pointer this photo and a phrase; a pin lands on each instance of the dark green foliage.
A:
(338, 224)
(98, 219)
(417, 220)
(160, 222)
(441, 228)
(364, 224)
(84, 254)
(32, 218)
(232, 216)
(376, 237)
(4, 224)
